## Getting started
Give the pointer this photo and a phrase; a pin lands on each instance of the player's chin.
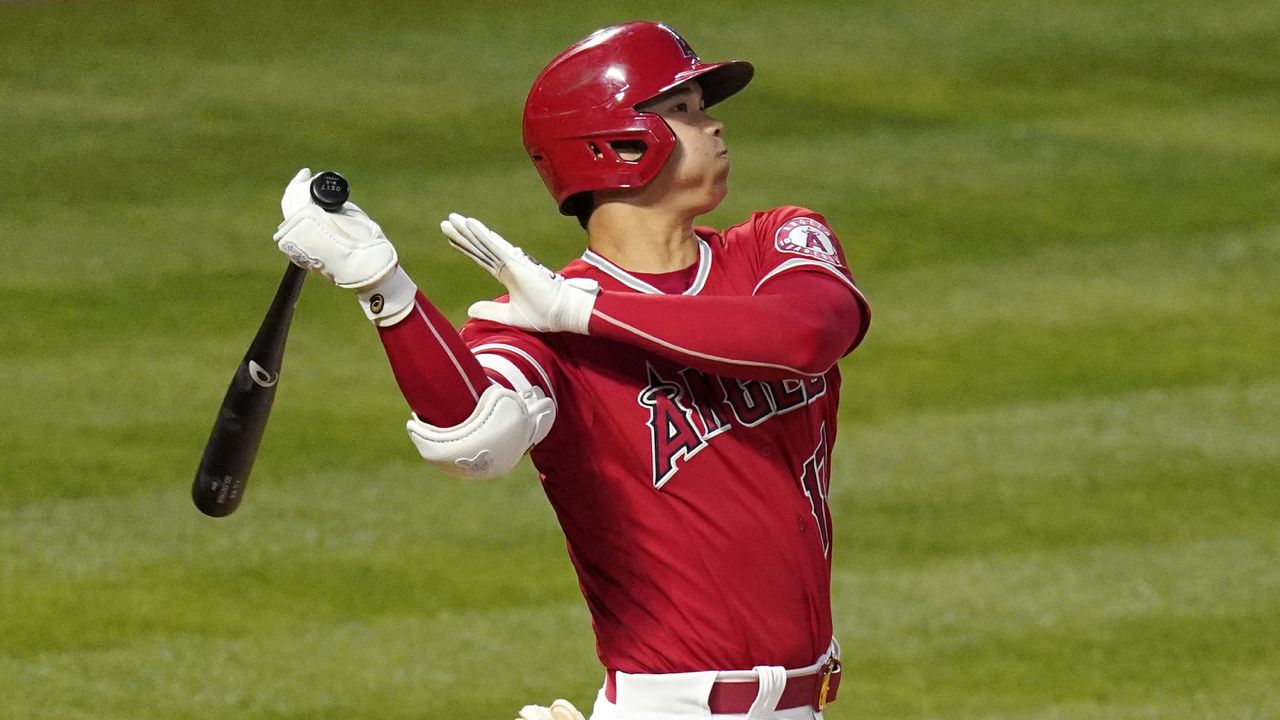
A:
(720, 185)
(713, 194)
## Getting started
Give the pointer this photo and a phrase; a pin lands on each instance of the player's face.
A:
(698, 168)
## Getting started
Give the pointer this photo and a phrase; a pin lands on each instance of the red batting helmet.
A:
(584, 102)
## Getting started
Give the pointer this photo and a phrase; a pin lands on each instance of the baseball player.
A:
(676, 386)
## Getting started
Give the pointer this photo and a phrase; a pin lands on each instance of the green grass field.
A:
(1056, 493)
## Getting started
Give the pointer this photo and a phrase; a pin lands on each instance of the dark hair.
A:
(580, 205)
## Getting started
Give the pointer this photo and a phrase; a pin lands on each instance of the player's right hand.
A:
(539, 299)
(559, 710)
(346, 247)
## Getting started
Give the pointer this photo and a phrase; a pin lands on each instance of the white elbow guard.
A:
(503, 426)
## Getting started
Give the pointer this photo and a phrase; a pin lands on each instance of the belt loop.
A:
(773, 680)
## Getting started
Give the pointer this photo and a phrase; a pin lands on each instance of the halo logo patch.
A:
(808, 237)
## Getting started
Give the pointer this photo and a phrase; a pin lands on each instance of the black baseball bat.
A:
(233, 444)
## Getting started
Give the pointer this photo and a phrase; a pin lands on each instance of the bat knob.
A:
(330, 190)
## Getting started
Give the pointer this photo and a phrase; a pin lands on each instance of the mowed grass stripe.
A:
(1063, 287)
(1248, 699)
(1150, 467)
(1058, 441)
(951, 600)
(906, 198)
(280, 516)
(1061, 320)
(1018, 630)
(94, 573)
(444, 664)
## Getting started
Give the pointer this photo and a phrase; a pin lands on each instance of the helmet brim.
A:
(717, 80)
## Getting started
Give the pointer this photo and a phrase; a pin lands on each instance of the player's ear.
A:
(629, 150)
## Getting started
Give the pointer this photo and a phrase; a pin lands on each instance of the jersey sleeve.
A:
(442, 371)
(436, 373)
(513, 358)
(795, 239)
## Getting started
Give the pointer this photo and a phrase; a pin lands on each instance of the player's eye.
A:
(680, 107)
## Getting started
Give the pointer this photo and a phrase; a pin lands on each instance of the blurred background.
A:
(1056, 487)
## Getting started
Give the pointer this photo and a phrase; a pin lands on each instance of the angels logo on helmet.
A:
(681, 42)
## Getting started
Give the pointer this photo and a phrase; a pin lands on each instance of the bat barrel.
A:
(228, 456)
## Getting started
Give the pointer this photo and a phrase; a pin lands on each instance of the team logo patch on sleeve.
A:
(808, 237)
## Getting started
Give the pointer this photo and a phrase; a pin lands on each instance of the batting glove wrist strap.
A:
(389, 301)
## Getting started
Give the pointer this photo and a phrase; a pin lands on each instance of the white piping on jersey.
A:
(452, 358)
(695, 353)
(635, 283)
(506, 369)
(546, 379)
(797, 262)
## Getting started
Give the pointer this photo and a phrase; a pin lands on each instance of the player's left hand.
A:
(559, 710)
(346, 247)
(540, 300)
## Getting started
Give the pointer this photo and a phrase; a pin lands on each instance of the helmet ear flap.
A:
(654, 140)
(592, 161)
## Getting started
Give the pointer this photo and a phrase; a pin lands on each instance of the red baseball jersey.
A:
(694, 504)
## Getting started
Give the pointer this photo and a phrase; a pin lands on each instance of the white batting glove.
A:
(541, 300)
(346, 247)
(559, 710)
